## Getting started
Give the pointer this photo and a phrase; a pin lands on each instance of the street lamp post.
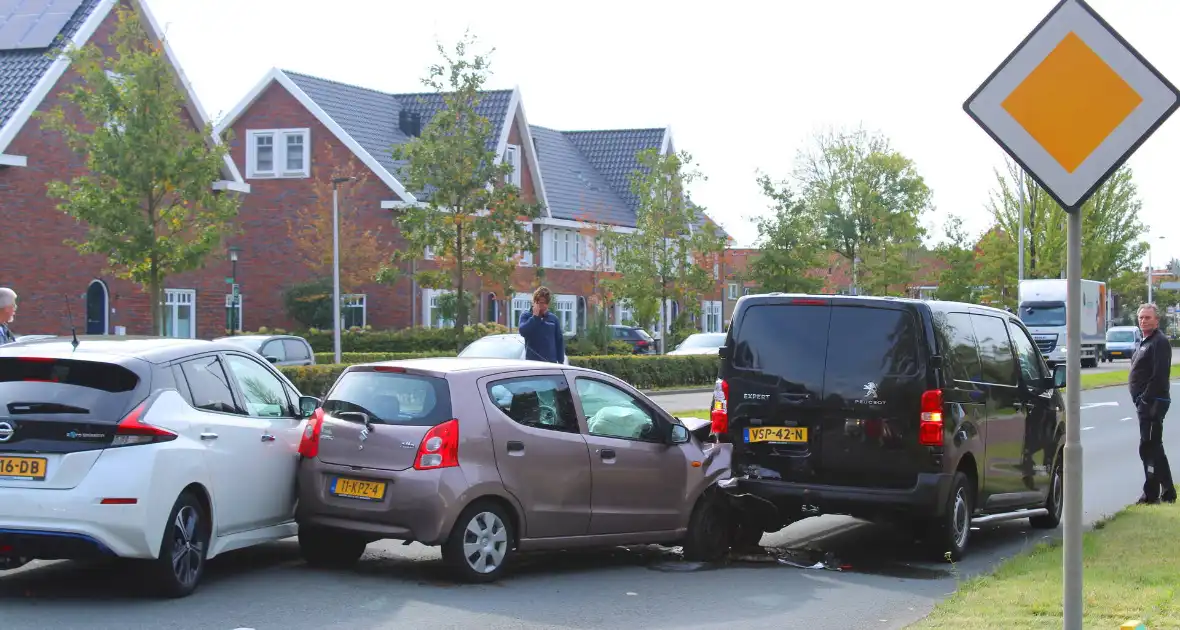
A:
(1150, 271)
(336, 181)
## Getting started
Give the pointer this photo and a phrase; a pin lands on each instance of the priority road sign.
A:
(1072, 102)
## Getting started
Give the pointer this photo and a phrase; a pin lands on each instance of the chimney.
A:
(410, 123)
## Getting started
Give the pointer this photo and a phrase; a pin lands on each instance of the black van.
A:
(934, 415)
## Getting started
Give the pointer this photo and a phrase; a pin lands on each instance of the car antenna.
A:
(73, 329)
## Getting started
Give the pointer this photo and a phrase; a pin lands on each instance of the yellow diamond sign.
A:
(1072, 102)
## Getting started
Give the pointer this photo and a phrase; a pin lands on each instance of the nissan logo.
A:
(6, 431)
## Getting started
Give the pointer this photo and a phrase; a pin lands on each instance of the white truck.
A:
(1042, 309)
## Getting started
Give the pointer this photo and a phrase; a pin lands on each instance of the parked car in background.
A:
(933, 415)
(489, 457)
(505, 346)
(1122, 342)
(167, 451)
(278, 349)
(700, 343)
(640, 340)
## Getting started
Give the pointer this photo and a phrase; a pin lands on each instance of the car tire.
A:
(1055, 502)
(481, 543)
(949, 534)
(184, 546)
(710, 532)
(324, 548)
(745, 536)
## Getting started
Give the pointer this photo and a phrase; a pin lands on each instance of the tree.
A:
(996, 253)
(310, 231)
(472, 219)
(870, 199)
(147, 201)
(1112, 234)
(662, 259)
(790, 244)
(959, 280)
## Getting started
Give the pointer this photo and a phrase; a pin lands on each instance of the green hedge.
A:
(348, 358)
(642, 372)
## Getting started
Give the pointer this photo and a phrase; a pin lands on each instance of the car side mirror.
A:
(308, 405)
(273, 360)
(1059, 376)
(678, 435)
(723, 352)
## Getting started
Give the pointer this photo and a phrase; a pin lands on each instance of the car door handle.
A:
(208, 436)
(606, 454)
(268, 438)
(516, 447)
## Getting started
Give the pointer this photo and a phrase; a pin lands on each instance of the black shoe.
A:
(1147, 501)
(1169, 497)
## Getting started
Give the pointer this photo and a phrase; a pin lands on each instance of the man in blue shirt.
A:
(541, 329)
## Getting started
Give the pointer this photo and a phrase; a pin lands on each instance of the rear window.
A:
(869, 345)
(784, 342)
(94, 390)
(1120, 336)
(392, 398)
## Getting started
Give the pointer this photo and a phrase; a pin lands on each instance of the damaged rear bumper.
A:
(777, 503)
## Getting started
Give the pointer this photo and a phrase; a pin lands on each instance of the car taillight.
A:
(132, 430)
(439, 448)
(930, 427)
(309, 444)
(719, 414)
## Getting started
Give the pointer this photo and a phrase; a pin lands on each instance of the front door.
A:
(540, 453)
(1040, 414)
(96, 309)
(265, 399)
(640, 481)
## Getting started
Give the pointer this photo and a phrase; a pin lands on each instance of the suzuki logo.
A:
(6, 431)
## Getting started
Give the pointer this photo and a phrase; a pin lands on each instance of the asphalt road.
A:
(887, 584)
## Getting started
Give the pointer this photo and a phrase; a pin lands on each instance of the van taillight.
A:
(439, 448)
(930, 427)
(309, 445)
(132, 430)
(719, 414)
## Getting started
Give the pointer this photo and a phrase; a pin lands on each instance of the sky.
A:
(743, 90)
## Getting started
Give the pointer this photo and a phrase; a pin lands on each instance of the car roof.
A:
(257, 337)
(441, 366)
(934, 305)
(1122, 328)
(113, 349)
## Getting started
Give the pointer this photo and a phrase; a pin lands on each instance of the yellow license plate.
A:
(1116, 353)
(357, 489)
(790, 435)
(23, 467)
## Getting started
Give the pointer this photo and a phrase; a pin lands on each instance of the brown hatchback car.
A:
(486, 457)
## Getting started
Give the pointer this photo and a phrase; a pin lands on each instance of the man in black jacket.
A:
(1150, 384)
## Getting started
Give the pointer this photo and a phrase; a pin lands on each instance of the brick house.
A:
(293, 129)
(56, 285)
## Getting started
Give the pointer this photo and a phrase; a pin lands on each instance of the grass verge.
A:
(1131, 572)
(1104, 379)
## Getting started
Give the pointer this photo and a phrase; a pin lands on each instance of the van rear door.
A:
(775, 380)
(874, 378)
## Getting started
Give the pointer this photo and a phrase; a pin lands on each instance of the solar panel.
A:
(30, 24)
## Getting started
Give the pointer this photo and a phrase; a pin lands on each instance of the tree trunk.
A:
(460, 303)
(155, 295)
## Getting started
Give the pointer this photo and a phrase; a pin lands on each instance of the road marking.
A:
(1087, 428)
(1124, 419)
(1100, 404)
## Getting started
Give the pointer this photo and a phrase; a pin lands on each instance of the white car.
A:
(506, 346)
(171, 451)
(700, 343)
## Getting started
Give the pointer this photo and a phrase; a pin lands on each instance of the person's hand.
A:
(537, 312)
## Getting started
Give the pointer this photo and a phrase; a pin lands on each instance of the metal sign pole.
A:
(1072, 596)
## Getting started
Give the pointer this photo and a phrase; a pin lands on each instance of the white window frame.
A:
(116, 78)
(733, 291)
(173, 300)
(711, 313)
(521, 304)
(625, 312)
(565, 307)
(430, 305)
(512, 156)
(355, 301)
(238, 310)
(279, 140)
